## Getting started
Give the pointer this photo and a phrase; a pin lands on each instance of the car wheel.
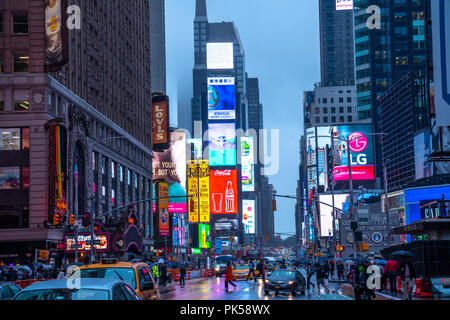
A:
(266, 292)
(303, 292)
(294, 293)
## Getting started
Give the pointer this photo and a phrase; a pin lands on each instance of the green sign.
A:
(203, 236)
(196, 251)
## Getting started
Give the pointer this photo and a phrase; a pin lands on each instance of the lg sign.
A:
(358, 143)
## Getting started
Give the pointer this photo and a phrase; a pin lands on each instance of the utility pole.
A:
(92, 232)
(76, 213)
(353, 214)
(334, 242)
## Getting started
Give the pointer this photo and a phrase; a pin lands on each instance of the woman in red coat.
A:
(229, 276)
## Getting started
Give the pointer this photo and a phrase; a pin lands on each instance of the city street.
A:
(213, 289)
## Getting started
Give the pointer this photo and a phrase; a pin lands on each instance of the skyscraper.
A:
(158, 45)
(336, 45)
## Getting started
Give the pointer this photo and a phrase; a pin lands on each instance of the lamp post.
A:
(76, 176)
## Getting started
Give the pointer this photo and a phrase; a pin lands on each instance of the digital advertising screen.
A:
(422, 150)
(247, 162)
(219, 55)
(361, 155)
(170, 166)
(223, 191)
(222, 144)
(344, 5)
(326, 212)
(84, 242)
(248, 216)
(203, 233)
(221, 98)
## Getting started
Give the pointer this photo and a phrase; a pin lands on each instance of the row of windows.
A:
(333, 110)
(334, 119)
(19, 23)
(341, 100)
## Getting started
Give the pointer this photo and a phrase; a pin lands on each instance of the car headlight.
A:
(267, 281)
(291, 282)
(217, 268)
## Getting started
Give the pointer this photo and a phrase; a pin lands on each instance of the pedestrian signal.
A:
(365, 246)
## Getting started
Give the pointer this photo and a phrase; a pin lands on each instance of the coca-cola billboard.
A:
(223, 191)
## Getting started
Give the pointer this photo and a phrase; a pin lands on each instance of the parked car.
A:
(285, 280)
(8, 290)
(137, 274)
(86, 289)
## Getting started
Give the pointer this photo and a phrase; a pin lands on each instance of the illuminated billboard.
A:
(56, 52)
(203, 234)
(248, 216)
(247, 161)
(220, 56)
(223, 191)
(196, 145)
(163, 209)
(84, 242)
(222, 144)
(361, 155)
(198, 188)
(221, 98)
(170, 166)
(361, 147)
(344, 5)
(326, 212)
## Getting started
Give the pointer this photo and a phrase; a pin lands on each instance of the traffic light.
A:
(71, 219)
(232, 239)
(339, 248)
(274, 205)
(365, 246)
(267, 238)
(86, 221)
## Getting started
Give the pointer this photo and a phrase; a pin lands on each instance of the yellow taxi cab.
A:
(241, 272)
(136, 273)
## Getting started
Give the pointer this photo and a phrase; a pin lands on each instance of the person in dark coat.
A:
(340, 270)
(182, 274)
(408, 276)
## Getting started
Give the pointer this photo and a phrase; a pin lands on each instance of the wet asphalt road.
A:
(213, 289)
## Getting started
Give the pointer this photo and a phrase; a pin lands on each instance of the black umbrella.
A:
(402, 253)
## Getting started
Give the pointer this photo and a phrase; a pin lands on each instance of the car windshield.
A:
(283, 275)
(124, 274)
(241, 267)
(64, 294)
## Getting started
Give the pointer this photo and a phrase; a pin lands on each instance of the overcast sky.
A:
(281, 44)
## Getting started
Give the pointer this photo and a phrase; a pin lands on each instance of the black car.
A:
(285, 280)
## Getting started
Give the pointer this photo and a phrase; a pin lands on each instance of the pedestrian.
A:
(332, 268)
(61, 273)
(391, 268)
(320, 277)
(155, 272)
(309, 274)
(340, 270)
(182, 274)
(326, 268)
(251, 271)
(163, 273)
(262, 270)
(229, 277)
(408, 275)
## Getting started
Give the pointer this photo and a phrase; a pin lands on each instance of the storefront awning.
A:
(422, 226)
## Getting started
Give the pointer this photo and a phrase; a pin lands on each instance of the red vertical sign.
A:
(163, 209)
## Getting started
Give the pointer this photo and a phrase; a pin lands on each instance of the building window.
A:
(325, 119)
(349, 99)
(332, 100)
(317, 119)
(21, 62)
(333, 119)
(341, 100)
(1, 22)
(325, 110)
(341, 109)
(2, 63)
(350, 118)
(333, 110)
(20, 23)
(2, 101)
(341, 119)
(325, 100)
(9, 178)
(21, 100)
(14, 139)
(349, 109)
(14, 217)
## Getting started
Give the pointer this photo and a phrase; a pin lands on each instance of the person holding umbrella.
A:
(406, 272)
(229, 276)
